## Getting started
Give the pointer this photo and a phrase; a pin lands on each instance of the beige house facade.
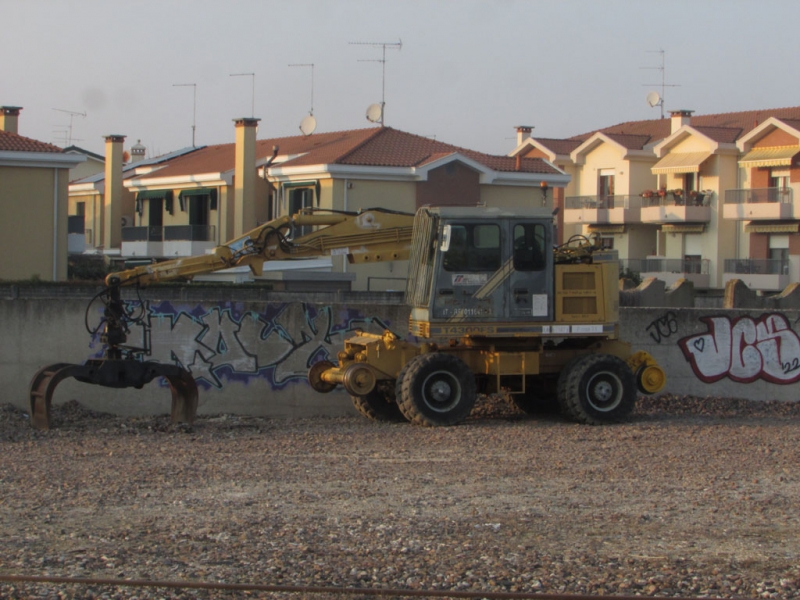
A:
(34, 179)
(188, 204)
(706, 198)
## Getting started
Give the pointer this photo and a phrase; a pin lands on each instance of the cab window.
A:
(529, 247)
(473, 248)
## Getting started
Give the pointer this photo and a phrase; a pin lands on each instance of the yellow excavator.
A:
(495, 308)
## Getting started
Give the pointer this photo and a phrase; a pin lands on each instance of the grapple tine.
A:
(42, 386)
(184, 397)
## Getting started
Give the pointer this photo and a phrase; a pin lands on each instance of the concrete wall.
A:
(251, 355)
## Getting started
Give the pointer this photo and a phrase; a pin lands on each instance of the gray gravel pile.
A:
(690, 497)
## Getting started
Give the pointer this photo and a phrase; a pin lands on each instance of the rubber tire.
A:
(585, 381)
(539, 397)
(378, 406)
(414, 390)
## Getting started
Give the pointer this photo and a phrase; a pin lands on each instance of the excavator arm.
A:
(369, 236)
(373, 235)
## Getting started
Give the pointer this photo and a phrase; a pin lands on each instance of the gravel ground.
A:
(690, 497)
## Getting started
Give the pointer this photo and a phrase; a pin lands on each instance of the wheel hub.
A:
(440, 391)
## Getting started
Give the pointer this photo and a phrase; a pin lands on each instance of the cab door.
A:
(530, 283)
(469, 275)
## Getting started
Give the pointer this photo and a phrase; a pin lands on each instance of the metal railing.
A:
(602, 202)
(670, 199)
(194, 233)
(170, 233)
(758, 195)
(665, 265)
(757, 266)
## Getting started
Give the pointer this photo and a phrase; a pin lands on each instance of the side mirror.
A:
(445, 245)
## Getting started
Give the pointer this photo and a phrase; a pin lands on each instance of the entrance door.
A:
(155, 220)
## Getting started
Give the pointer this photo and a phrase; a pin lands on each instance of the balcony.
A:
(759, 204)
(677, 209)
(758, 273)
(669, 270)
(168, 242)
(602, 210)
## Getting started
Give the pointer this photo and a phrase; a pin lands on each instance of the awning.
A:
(153, 194)
(205, 191)
(772, 227)
(607, 229)
(774, 156)
(143, 195)
(680, 162)
(683, 227)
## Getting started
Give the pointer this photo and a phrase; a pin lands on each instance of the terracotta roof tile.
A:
(727, 135)
(631, 142)
(11, 142)
(559, 146)
(377, 146)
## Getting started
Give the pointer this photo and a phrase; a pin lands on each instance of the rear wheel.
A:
(436, 389)
(379, 404)
(596, 389)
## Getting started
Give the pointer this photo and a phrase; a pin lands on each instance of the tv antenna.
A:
(309, 123)
(653, 98)
(253, 86)
(194, 106)
(392, 45)
(72, 114)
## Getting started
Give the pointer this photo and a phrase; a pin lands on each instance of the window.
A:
(473, 248)
(607, 243)
(80, 209)
(529, 247)
(605, 185)
(689, 182)
(300, 198)
(692, 263)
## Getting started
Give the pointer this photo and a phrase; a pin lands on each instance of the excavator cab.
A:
(480, 271)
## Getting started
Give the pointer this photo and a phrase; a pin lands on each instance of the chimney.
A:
(112, 198)
(9, 118)
(138, 151)
(680, 118)
(244, 176)
(523, 133)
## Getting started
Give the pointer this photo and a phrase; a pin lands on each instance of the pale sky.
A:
(467, 73)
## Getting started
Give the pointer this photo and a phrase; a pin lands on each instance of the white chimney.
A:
(680, 118)
(9, 118)
(523, 133)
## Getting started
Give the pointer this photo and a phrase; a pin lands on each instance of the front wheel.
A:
(436, 389)
(596, 389)
(379, 404)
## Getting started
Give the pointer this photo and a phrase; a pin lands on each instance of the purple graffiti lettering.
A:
(745, 350)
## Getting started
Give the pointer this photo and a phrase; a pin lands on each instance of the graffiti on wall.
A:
(225, 343)
(745, 350)
(663, 327)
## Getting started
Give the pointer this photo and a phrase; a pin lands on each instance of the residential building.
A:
(189, 203)
(33, 203)
(701, 197)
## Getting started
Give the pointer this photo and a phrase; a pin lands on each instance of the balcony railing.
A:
(758, 196)
(665, 265)
(670, 199)
(602, 202)
(757, 266)
(193, 233)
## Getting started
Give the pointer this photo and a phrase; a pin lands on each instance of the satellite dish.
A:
(374, 113)
(653, 99)
(308, 125)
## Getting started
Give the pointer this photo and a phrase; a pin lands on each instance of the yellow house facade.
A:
(706, 198)
(34, 179)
